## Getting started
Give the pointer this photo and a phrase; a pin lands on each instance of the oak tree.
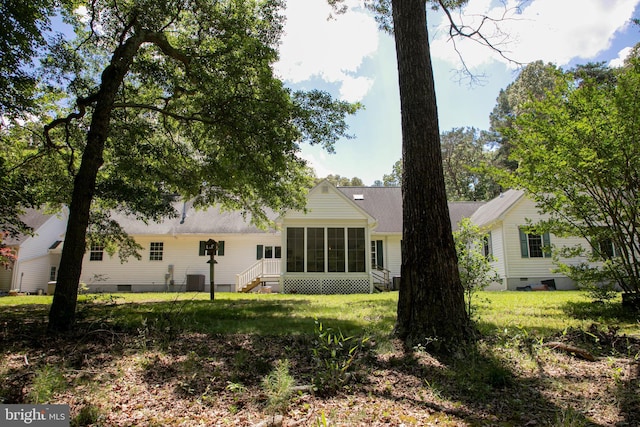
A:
(154, 100)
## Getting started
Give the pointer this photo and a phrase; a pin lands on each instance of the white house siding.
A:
(182, 253)
(392, 252)
(498, 248)
(328, 206)
(324, 205)
(31, 271)
(522, 271)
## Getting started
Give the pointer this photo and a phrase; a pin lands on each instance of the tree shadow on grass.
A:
(610, 313)
(239, 316)
(480, 389)
(209, 351)
(628, 393)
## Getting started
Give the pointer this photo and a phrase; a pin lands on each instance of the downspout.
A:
(184, 213)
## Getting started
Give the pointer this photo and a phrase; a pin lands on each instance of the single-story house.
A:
(347, 241)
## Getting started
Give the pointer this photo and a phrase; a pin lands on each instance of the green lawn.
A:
(542, 313)
(180, 359)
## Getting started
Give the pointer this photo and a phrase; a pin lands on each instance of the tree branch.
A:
(82, 104)
(476, 34)
(160, 40)
(164, 112)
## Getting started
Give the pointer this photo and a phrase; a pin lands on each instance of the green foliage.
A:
(342, 181)
(594, 280)
(198, 100)
(464, 160)
(88, 415)
(24, 25)
(394, 179)
(578, 153)
(47, 381)
(476, 271)
(278, 386)
(535, 80)
(336, 357)
(466, 163)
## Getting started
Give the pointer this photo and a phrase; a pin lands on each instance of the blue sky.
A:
(350, 58)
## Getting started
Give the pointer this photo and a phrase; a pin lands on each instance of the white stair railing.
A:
(261, 268)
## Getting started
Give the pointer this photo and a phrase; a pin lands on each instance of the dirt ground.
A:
(115, 377)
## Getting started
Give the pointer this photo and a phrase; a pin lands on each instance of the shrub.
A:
(335, 357)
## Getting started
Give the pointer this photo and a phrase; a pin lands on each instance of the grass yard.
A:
(247, 360)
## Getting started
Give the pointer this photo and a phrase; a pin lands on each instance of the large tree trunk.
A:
(63, 308)
(431, 301)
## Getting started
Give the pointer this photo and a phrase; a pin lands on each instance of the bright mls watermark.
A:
(34, 415)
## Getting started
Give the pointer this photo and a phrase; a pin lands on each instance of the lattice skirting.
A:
(326, 286)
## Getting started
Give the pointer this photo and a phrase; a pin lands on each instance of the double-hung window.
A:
(96, 252)
(268, 252)
(487, 246)
(156, 250)
(606, 248)
(534, 245)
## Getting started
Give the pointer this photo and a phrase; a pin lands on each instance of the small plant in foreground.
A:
(47, 381)
(335, 356)
(88, 415)
(278, 386)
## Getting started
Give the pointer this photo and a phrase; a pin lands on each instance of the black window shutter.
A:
(259, 251)
(546, 241)
(202, 251)
(524, 244)
(379, 254)
(221, 248)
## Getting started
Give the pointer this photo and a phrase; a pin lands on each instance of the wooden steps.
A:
(251, 286)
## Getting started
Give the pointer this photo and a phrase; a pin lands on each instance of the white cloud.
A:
(317, 160)
(355, 88)
(549, 30)
(622, 55)
(331, 49)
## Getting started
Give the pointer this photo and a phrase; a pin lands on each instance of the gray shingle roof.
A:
(496, 208)
(196, 221)
(382, 203)
(33, 218)
(385, 205)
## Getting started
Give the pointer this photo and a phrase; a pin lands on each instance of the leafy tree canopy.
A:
(154, 100)
(466, 160)
(394, 179)
(533, 82)
(199, 113)
(465, 157)
(342, 181)
(23, 26)
(578, 156)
